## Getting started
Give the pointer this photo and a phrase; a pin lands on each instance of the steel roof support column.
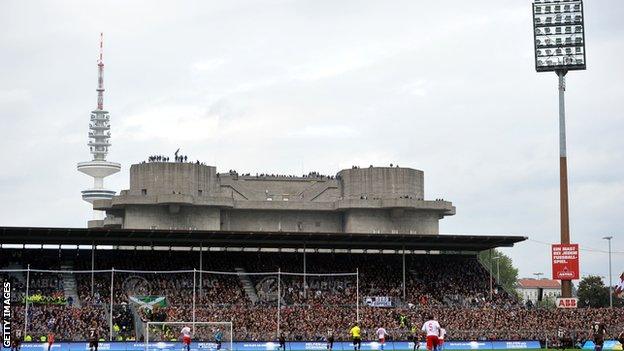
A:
(403, 273)
(305, 285)
(110, 321)
(92, 269)
(491, 278)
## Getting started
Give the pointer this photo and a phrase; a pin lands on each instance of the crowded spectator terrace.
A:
(231, 172)
(310, 175)
(456, 288)
(176, 158)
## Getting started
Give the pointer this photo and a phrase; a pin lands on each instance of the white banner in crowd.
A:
(378, 301)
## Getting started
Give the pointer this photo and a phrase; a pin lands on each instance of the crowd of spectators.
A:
(456, 288)
(315, 175)
(371, 166)
(158, 158)
(176, 158)
(259, 323)
(66, 322)
(231, 172)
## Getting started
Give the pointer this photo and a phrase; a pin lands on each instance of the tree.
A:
(592, 292)
(547, 302)
(508, 273)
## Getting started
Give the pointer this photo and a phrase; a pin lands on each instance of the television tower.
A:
(99, 141)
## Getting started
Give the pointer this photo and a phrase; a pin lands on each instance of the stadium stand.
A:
(455, 288)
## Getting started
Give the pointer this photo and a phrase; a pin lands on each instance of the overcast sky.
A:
(448, 87)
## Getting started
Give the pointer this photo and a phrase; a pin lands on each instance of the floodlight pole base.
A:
(566, 285)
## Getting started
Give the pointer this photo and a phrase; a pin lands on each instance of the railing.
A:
(197, 283)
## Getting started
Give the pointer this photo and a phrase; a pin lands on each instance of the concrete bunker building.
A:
(193, 196)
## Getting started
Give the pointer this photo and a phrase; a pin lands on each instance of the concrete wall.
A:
(186, 195)
(352, 221)
(281, 220)
(382, 182)
(390, 221)
(172, 216)
(276, 188)
(168, 177)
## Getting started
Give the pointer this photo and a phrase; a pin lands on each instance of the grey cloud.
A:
(446, 87)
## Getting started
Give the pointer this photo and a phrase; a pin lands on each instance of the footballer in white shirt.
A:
(186, 337)
(381, 335)
(431, 329)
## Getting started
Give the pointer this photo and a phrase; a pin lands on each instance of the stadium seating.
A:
(455, 288)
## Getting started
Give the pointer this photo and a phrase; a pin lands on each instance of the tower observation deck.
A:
(99, 142)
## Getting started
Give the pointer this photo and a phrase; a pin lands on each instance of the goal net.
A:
(206, 336)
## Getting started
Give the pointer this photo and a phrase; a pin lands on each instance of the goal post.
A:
(204, 333)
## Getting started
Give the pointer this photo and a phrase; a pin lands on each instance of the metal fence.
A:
(136, 294)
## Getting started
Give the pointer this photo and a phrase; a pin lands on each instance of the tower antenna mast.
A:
(99, 142)
(100, 88)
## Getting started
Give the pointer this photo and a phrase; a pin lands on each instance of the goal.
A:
(166, 335)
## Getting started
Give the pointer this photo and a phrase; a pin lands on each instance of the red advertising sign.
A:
(565, 261)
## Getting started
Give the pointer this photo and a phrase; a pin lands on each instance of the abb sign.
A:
(567, 302)
(565, 261)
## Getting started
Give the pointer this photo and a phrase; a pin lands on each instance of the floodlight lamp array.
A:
(559, 33)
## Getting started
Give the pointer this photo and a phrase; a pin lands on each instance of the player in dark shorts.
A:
(357, 343)
(16, 340)
(415, 335)
(218, 337)
(330, 341)
(598, 331)
(621, 338)
(282, 342)
(356, 336)
(93, 336)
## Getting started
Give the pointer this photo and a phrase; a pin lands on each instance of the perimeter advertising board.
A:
(565, 261)
(274, 346)
(567, 302)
